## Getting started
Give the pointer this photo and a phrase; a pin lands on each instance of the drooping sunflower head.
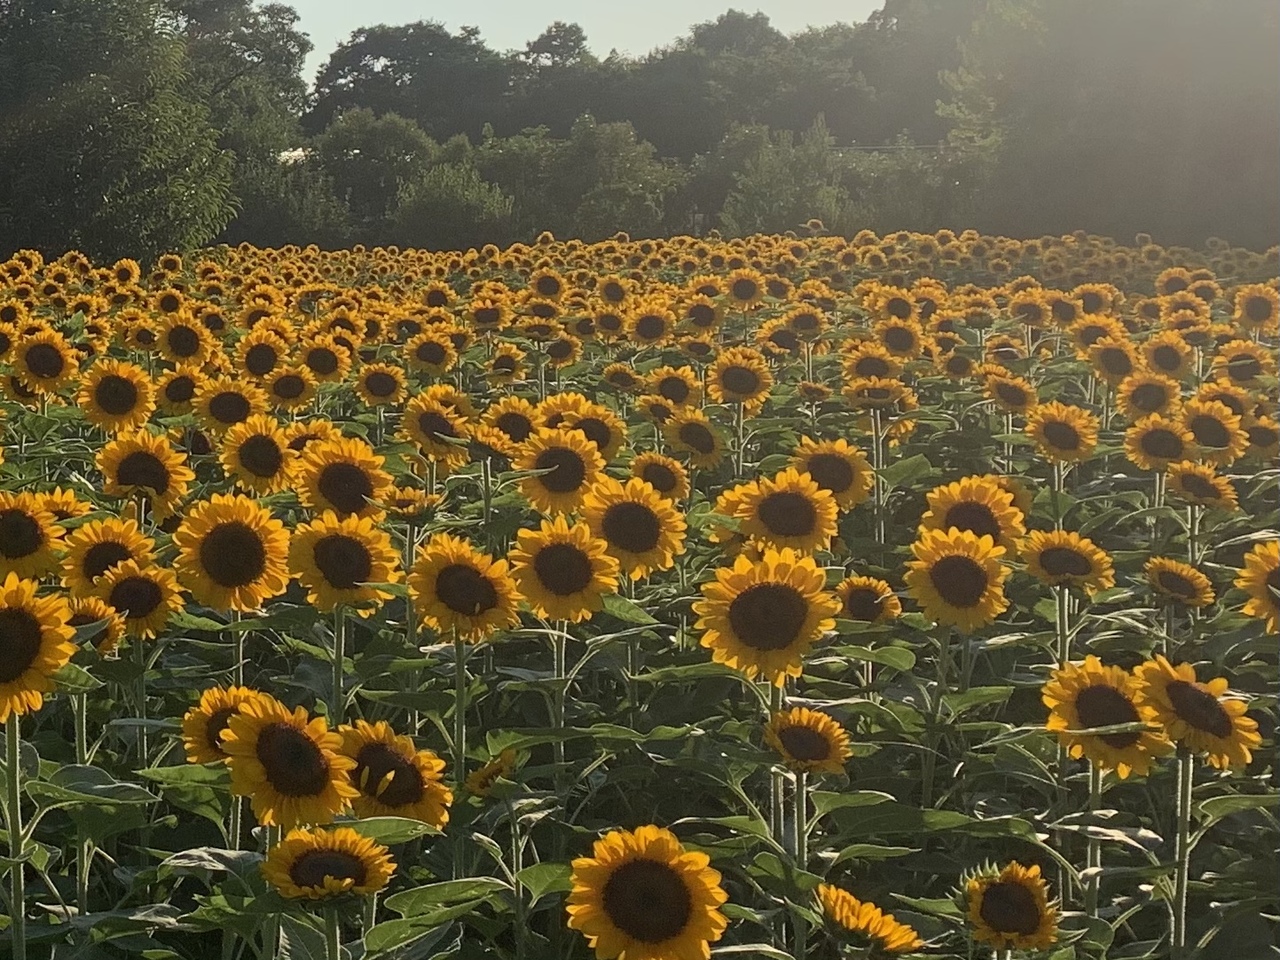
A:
(1010, 909)
(454, 587)
(339, 561)
(867, 600)
(1201, 484)
(204, 724)
(866, 921)
(563, 571)
(1178, 583)
(395, 778)
(145, 596)
(30, 540)
(957, 578)
(1260, 579)
(837, 467)
(108, 626)
(35, 642)
(479, 782)
(641, 529)
(1197, 715)
(116, 396)
(789, 510)
(690, 432)
(232, 554)
(977, 505)
(1063, 433)
(319, 864)
(808, 741)
(344, 475)
(641, 894)
(95, 547)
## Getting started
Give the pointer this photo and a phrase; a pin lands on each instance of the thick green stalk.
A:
(140, 655)
(800, 948)
(1182, 852)
(338, 703)
(84, 845)
(776, 814)
(332, 934)
(933, 736)
(17, 853)
(1093, 859)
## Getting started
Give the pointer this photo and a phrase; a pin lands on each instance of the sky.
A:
(633, 28)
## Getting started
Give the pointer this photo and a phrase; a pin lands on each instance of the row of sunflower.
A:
(796, 546)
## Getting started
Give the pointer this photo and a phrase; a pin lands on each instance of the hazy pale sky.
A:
(634, 28)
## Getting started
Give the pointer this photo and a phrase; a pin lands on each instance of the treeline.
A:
(130, 126)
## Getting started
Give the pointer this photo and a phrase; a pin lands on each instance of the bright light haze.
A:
(630, 28)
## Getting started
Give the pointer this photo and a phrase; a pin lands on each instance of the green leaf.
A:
(392, 830)
(913, 468)
(543, 878)
(83, 784)
(1214, 809)
(74, 679)
(420, 900)
(620, 608)
(825, 801)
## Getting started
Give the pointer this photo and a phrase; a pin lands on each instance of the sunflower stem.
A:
(517, 865)
(369, 912)
(337, 705)
(459, 707)
(1062, 624)
(1193, 534)
(930, 759)
(1059, 482)
(84, 846)
(739, 451)
(332, 934)
(1093, 859)
(1182, 852)
(411, 625)
(776, 815)
(140, 655)
(17, 841)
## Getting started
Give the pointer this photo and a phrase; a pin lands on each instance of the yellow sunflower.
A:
(326, 357)
(665, 475)
(35, 642)
(762, 617)
(740, 375)
(430, 352)
(1063, 433)
(97, 546)
(572, 465)
(1011, 393)
(222, 402)
(395, 778)
(256, 453)
(1264, 438)
(641, 529)
(690, 432)
(30, 540)
(977, 505)
(204, 724)
(870, 359)
(232, 554)
(436, 429)
(852, 915)
(1260, 579)
(454, 587)
(1178, 582)
(789, 510)
(837, 467)
(1090, 695)
(1156, 441)
(145, 596)
(642, 896)
(1113, 359)
(288, 765)
(1011, 909)
(381, 385)
(957, 578)
(338, 560)
(480, 782)
(901, 338)
(139, 463)
(1064, 558)
(116, 396)
(318, 864)
(291, 387)
(343, 475)
(1218, 433)
(808, 741)
(601, 426)
(1201, 484)
(563, 571)
(867, 599)
(1257, 306)
(176, 388)
(1243, 362)
(1145, 394)
(514, 416)
(1197, 715)
(680, 385)
(110, 630)
(44, 361)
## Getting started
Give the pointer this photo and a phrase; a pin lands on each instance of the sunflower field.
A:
(780, 597)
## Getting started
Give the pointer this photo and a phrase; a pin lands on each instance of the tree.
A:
(101, 146)
(451, 208)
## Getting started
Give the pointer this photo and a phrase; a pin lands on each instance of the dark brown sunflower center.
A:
(697, 437)
(702, 315)
(960, 581)
(183, 341)
(101, 557)
(560, 349)
(1199, 708)
(322, 360)
(1209, 431)
(1165, 358)
(79, 620)
(632, 527)
(567, 469)
(180, 389)
(1065, 562)
(19, 642)
(233, 554)
(260, 359)
(805, 743)
(1257, 309)
(374, 763)
(217, 722)
(343, 561)
(1260, 435)
(346, 486)
(743, 289)
(661, 477)
(431, 351)
(515, 425)
(1149, 397)
(291, 761)
(1162, 443)
(563, 569)
(1176, 584)
(595, 430)
(1091, 301)
(115, 395)
(872, 367)
(788, 514)
(785, 339)
(1198, 486)
(230, 407)
(650, 327)
(768, 616)
(740, 380)
(958, 364)
(20, 534)
(136, 597)
(504, 364)
(863, 603)
(1011, 393)
(261, 456)
(831, 472)
(1116, 362)
(143, 469)
(974, 517)
(465, 590)
(1244, 367)
(1104, 706)
(1009, 907)
(674, 389)
(313, 866)
(1273, 582)
(435, 425)
(289, 387)
(45, 361)
(381, 384)
(899, 339)
(1062, 436)
(647, 900)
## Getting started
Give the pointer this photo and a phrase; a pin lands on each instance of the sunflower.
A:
(222, 402)
(232, 554)
(514, 416)
(690, 432)
(480, 782)
(642, 896)
(563, 571)
(343, 475)
(288, 765)
(183, 339)
(1264, 438)
(381, 385)
(1257, 306)
(572, 464)
(621, 377)
(1201, 485)
(35, 642)
(1168, 354)
(139, 463)
(116, 396)
(870, 359)
(290, 387)
(436, 429)
(1180, 583)
(44, 361)
(337, 560)
(740, 375)
(744, 288)
(762, 617)
(454, 587)
(977, 505)
(145, 596)
(641, 529)
(1260, 579)
(1063, 433)
(808, 741)
(96, 547)
(957, 578)
(837, 467)
(667, 476)
(601, 426)
(1083, 697)
(63, 504)
(204, 724)
(1011, 909)
(411, 504)
(880, 393)
(88, 611)
(1145, 394)
(680, 385)
(789, 510)
(507, 364)
(1197, 715)
(1218, 433)
(256, 453)
(1064, 558)
(852, 915)
(176, 388)
(430, 352)
(867, 599)
(30, 540)
(319, 864)
(1243, 362)
(1012, 394)
(261, 353)
(326, 357)
(395, 778)
(1155, 441)
(1113, 359)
